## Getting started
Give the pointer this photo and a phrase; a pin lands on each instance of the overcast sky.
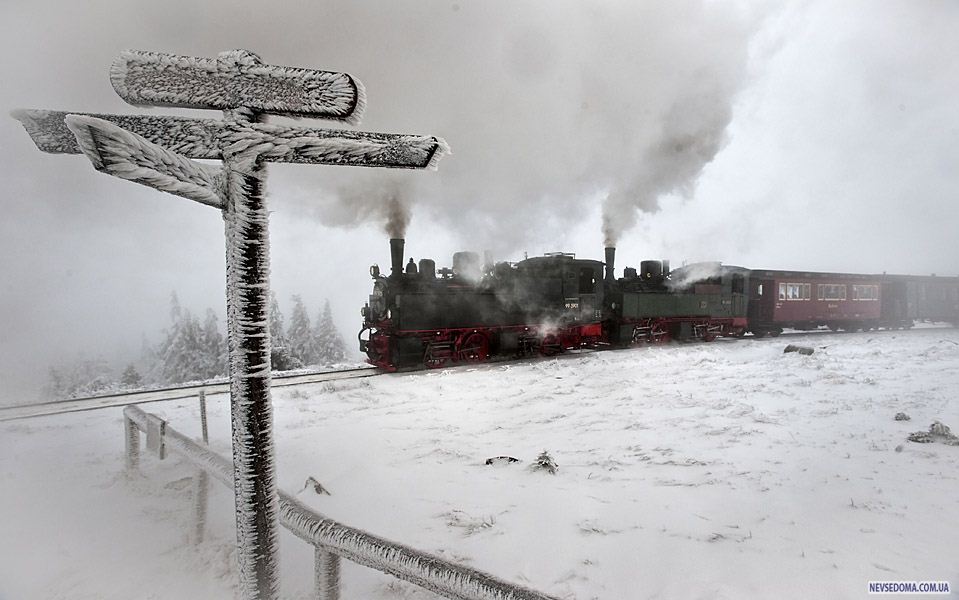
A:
(814, 135)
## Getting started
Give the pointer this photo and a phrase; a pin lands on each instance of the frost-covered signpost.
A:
(157, 151)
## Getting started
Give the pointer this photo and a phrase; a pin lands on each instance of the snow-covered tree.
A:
(189, 352)
(215, 349)
(329, 343)
(280, 356)
(131, 378)
(302, 343)
(85, 377)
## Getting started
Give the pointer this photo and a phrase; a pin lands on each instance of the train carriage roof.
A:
(920, 278)
(777, 274)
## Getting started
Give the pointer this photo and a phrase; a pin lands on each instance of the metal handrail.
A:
(331, 539)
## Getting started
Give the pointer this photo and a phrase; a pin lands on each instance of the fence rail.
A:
(57, 407)
(331, 539)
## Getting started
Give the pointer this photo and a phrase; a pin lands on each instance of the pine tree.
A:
(214, 348)
(182, 354)
(329, 343)
(57, 386)
(280, 354)
(131, 377)
(85, 377)
(302, 344)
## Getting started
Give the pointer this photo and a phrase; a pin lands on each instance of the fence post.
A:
(132, 443)
(206, 435)
(201, 481)
(327, 574)
(200, 492)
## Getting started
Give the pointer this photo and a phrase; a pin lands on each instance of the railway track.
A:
(57, 407)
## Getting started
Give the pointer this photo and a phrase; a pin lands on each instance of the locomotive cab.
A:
(562, 288)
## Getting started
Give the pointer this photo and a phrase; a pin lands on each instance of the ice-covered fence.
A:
(331, 540)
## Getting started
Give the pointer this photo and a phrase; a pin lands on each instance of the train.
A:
(545, 305)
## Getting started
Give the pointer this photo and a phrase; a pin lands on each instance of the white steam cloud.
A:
(685, 276)
(551, 105)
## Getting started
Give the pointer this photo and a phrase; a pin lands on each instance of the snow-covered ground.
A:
(723, 470)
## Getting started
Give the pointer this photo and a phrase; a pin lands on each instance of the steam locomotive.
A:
(549, 304)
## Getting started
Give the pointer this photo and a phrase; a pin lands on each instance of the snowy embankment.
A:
(723, 470)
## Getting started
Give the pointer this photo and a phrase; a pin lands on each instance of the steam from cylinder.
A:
(610, 262)
(396, 256)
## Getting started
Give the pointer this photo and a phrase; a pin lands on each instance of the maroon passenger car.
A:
(803, 300)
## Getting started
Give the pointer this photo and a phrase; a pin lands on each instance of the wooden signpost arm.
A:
(126, 155)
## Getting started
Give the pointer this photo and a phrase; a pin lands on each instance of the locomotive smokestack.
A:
(396, 256)
(610, 262)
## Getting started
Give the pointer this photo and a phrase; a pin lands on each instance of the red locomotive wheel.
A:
(550, 345)
(473, 347)
(435, 358)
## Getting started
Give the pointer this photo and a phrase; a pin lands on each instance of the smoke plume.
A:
(692, 133)
(384, 200)
(549, 106)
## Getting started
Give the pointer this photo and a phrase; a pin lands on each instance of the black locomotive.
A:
(553, 303)
(472, 311)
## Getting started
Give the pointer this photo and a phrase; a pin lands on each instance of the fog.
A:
(811, 135)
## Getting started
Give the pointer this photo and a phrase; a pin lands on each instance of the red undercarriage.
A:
(476, 344)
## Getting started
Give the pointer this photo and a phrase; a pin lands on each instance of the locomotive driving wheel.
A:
(550, 345)
(472, 347)
(436, 355)
(658, 333)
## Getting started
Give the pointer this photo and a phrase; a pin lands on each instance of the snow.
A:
(722, 470)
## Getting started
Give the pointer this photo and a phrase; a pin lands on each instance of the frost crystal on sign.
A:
(193, 138)
(277, 143)
(235, 79)
(210, 138)
(129, 156)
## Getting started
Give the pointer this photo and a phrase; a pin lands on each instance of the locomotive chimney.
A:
(396, 256)
(610, 262)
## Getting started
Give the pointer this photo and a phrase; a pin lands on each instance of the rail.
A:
(331, 539)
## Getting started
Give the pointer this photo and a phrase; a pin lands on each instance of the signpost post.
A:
(157, 151)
